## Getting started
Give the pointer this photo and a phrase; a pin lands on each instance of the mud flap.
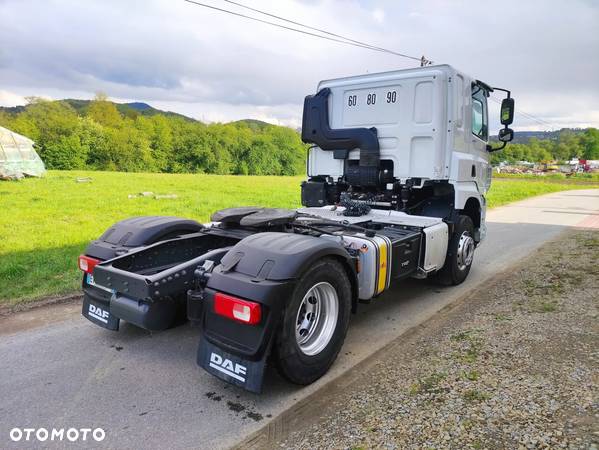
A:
(99, 313)
(230, 368)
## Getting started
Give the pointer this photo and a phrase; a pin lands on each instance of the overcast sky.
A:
(216, 67)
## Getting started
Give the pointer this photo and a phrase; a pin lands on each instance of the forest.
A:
(99, 136)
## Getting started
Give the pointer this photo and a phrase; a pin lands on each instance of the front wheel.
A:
(460, 253)
(315, 323)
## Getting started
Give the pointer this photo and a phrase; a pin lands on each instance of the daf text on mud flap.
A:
(98, 313)
(228, 367)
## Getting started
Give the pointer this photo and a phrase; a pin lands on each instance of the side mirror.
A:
(506, 134)
(507, 112)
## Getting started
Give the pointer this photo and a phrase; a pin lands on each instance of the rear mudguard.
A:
(263, 268)
(138, 231)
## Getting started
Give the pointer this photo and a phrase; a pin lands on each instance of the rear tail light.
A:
(87, 263)
(237, 309)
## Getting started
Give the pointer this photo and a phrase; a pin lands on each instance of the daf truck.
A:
(397, 174)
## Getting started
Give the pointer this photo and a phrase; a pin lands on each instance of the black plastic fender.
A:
(279, 256)
(136, 232)
(263, 268)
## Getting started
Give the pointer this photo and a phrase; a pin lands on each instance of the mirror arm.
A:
(491, 149)
(509, 94)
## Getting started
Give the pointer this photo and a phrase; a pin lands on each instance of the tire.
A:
(305, 348)
(460, 253)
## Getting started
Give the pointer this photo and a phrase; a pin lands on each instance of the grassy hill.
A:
(134, 109)
(127, 109)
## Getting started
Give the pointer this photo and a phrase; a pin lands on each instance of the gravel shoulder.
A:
(513, 365)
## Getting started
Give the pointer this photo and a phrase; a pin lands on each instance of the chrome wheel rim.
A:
(316, 318)
(465, 250)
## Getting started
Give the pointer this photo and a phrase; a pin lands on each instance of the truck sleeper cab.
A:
(397, 176)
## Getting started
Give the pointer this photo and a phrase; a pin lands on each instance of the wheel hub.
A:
(465, 250)
(316, 318)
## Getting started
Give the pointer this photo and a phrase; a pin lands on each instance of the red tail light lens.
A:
(87, 263)
(237, 309)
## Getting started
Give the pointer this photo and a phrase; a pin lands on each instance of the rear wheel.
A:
(460, 253)
(315, 323)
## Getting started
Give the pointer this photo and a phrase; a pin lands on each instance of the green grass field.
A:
(46, 223)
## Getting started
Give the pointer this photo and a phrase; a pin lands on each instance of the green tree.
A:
(568, 146)
(590, 142)
(104, 112)
(66, 153)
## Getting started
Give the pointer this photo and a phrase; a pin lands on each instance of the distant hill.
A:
(138, 108)
(253, 124)
(127, 109)
(522, 137)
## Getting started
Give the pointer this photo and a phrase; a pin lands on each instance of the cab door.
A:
(480, 170)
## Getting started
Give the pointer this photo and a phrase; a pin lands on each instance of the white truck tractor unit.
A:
(396, 182)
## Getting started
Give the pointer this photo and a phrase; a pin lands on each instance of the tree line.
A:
(101, 137)
(567, 145)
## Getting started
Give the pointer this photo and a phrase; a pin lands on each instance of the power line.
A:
(528, 115)
(341, 41)
(322, 31)
(336, 38)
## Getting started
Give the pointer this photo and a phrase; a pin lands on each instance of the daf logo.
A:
(228, 367)
(98, 313)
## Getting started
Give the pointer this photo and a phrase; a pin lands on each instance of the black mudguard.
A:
(136, 232)
(263, 268)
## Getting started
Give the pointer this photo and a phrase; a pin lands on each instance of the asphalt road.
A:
(57, 370)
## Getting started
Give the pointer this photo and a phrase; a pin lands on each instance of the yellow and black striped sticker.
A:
(384, 264)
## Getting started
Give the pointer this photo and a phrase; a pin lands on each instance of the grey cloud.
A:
(170, 51)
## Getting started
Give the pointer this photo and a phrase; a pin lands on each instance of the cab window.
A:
(480, 126)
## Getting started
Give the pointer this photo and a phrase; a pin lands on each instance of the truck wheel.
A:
(460, 253)
(314, 324)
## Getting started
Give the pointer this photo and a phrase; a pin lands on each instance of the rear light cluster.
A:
(87, 263)
(237, 309)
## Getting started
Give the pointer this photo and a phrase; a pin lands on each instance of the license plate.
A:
(90, 281)
(99, 314)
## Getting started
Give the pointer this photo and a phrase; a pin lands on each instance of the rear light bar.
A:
(237, 309)
(87, 263)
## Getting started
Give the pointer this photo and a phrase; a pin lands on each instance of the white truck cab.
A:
(432, 128)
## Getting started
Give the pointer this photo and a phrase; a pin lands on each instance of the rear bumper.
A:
(107, 310)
